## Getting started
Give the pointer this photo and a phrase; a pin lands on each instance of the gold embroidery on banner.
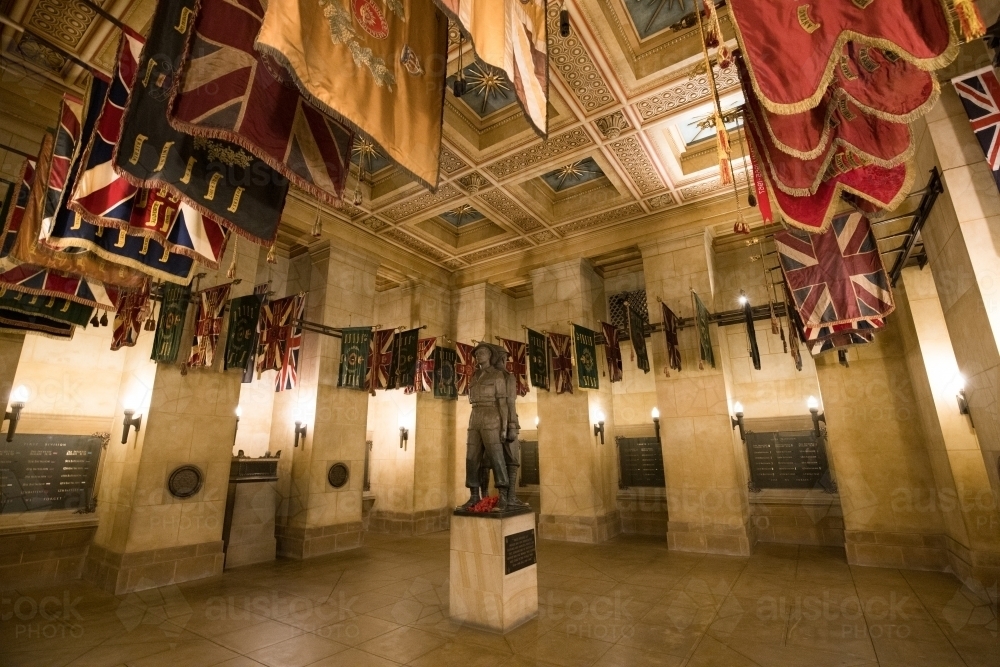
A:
(142, 198)
(864, 57)
(51, 303)
(99, 233)
(65, 308)
(342, 32)
(806, 21)
(137, 149)
(236, 200)
(149, 71)
(212, 184)
(186, 178)
(222, 153)
(163, 156)
(166, 255)
(154, 215)
(168, 218)
(890, 56)
(121, 239)
(145, 246)
(34, 300)
(845, 110)
(862, 4)
(845, 69)
(76, 222)
(182, 24)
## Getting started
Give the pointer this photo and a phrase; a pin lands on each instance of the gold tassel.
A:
(722, 146)
(271, 257)
(970, 19)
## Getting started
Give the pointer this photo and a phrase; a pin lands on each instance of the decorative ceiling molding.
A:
(684, 93)
(374, 224)
(410, 207)
(544, 236)
(506, 207)
(599, 220)
(570, 57)
(502, 249)
(39, 54)
(66, 21)
(612, 125)
(451, 163)
(710, 186)
(540, 152)
(636, 162)
(413, 243)
(661, 201)
(473, 182)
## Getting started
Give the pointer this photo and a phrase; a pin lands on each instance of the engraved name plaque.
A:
(518, 551)
(47, 472)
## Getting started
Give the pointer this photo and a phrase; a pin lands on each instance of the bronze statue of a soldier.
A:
(510, 438)
(489, 421)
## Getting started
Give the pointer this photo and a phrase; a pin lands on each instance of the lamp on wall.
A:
(960, 396)
(131, 419)
(817, 416)
(239, 413)
(656, 421)
(404, 436)
(18, 398)
(599, 426)
(300, 431)
(738, 420)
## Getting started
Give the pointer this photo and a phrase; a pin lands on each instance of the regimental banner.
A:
(404, 359)
(218, 178)
(48, 282)
(52, 308)
(636, 334)
(208, 324)
(751, 334)
(379, 360)
(249, 369)
(561, 358)
(612, 351)
(230, 91)
(585, 342)
(15, 210)
(444, 373)
(170, 327)
(355, 345)
(129, 318)
(423, 379)
(291, 345)
(67, 138)
(517, 364)
(465, 367)
(378, 64)
(705, 352)
(671, 323)
(277, 322)
(538, 358)
(244, 314)
(12, 321)
(980, 95)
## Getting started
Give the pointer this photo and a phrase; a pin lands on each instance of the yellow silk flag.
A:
(379, 64)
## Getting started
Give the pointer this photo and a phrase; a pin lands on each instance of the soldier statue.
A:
(510, 438)
(488, 423)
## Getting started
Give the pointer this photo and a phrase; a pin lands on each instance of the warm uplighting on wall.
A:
(656, 421)
(404, 437)
(131, 419)
(738, 419)
(239, 413)
(18, 398)
(817, 416)
(958, 386)
(743, 300)
(300, 431)
(599, 426)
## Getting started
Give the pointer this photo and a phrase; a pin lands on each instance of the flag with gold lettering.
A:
(585, 342)
(170, 326)
(52, 308)
(208, 324)
(404, 359)
(444, 373)
(538, 357)
(217, 178)
(244, 313)
(355, 344)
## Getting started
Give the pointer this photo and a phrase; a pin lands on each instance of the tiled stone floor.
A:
(629, 602)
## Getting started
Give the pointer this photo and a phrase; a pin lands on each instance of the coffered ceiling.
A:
(626, 94)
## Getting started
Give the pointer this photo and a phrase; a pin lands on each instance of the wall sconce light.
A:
(738, 420)
(963, 408)
(131, 419)
(239, 413)
(599, 426)
(18, 398)
(817, 416)
(536, 422)
(656, 421)
(300, 431)
(404, 436)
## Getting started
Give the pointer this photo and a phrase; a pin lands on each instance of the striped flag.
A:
(980, 95)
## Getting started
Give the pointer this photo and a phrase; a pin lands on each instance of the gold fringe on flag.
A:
(970, 19)
(231, 273)
(271, 257)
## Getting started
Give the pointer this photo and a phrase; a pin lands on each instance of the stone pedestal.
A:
(482, 592)
(249, 528)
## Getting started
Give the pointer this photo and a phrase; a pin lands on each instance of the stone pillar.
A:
(706, 487)
(962, 240)
(962, 488)
(577, 473)
(147, 537)
(10, 354)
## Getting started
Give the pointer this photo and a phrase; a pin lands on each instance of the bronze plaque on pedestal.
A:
(518, 551)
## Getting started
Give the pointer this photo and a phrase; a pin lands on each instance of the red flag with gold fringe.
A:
(465, 368)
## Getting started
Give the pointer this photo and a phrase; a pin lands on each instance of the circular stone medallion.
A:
(184, 482)
(338, 475)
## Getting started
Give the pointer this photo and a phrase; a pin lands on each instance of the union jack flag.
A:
(980, 94)
(12, 223)
(67, 137)
(517, 363)
(379, 360)
(612, 351)
(423, 380)
(39, 280)
(561, 359)
(837, 277)
(208, 324)
(288, 374)
(129, 317)
(279, 339)
(465, 368)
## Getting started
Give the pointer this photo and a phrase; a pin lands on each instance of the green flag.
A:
(444, 373)
(53, 308)
(636, 333)
(244, 313)
(586, 357)
(538, 360)
(354, 345)
(404, 359)
(704, 337)
(173, 312)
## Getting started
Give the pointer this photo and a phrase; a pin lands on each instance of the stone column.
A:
(577, 473)
(147, 537)
(706, 487)
(10, 355)
(316, 518)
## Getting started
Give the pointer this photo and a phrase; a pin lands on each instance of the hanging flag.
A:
(835, 278)
(404, 359)
(208, 324)
(355, 345)
(129, 318)
(249, 369)
(588, 377)
(777, 36)
(980, 95)
(561, 357)
(277, 319)
(230, 91)
(465, 368)
(636, 334)
(516, 364)
(379, 360)
(52, 308)
(66, 140)
(751, 333)
(424, 378)
(48, 282)
(612, 351)
(671, 324)
(291, 345)
(244, 314)
(704, 335)
(170, 327)
(376, 64)
(539, 360)
(11, 321)
(444, 373)
(15, 211)
(217, 178)
(519, 53)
